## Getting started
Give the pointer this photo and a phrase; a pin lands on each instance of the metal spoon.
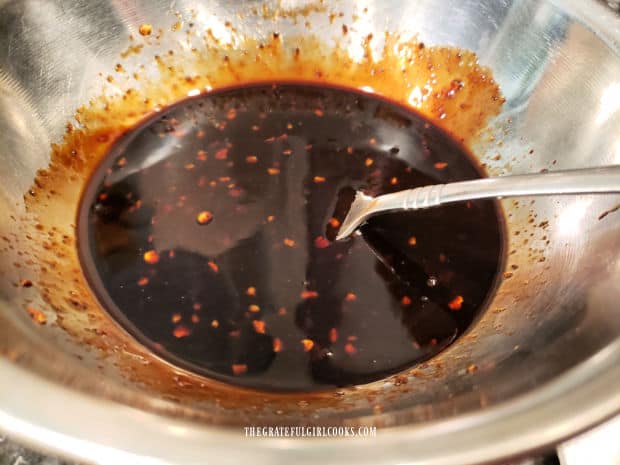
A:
(581, 181)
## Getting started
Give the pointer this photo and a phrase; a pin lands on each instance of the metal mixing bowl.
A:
(547, 348)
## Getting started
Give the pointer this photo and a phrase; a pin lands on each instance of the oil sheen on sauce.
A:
(207, 231)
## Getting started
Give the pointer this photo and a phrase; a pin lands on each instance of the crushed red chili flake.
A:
(196, 306)
(273, 171)
(319, 179)
(215, 324)
(372, 141)
(181, 332)
(239, 368)
(394, 181)
(201, 155)
(308, 344)
(254, 308)
(151, 257)
(277, 344)
(309, 294)
(251, 291)
(472, 368)
(369, 162)
(350, 150)
(251, 159)
(176, 317)
(456, 303)
(143, 281)
(231, 114)
(289, 125)
(204, 217)
(103, 196)
(412, 241)
(350, 297)
(259, 326)
(334, 223)
(289, 242)
(234, 333)
(221, 154)
(213, 266)
(282, 311)
(321, 243)
(287, 152)
(195, 318)
(406, 300)
(350, 349)
(121, 162)
(36, 315)
(440, 165)
(200, 134)
(333, 335)
(189, 166)
(270, 218)
(212, 183)
(171, 254)
(318, 112)
(255, 128)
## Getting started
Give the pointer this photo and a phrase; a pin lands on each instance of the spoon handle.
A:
(581, 181)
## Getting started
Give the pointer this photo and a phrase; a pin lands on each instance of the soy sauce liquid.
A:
(207, 231)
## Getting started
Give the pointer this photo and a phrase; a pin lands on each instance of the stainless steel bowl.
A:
(547, 348)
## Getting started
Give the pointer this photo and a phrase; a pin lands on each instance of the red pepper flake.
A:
(287, 152)
(309, 294)
(171, 254)
(351, 338)
(289, 242)
(197, 306)
(234, 333)
(282, 311)
(255, 128)
(176, 317)
(350, 150)
(221, 154)
(319, 179)
(251, 159)
(321, 243)
(440, 165)
(273, 171)
(201, 155)
(143, 281)
(121, 162)
(442, 258)
(235, 193)
(189, 166)
(254, 308)
(270, 139)
(334, 223)
(204, 217)
(468, 204)
(103, 196)
(277, 344)
(200, 134)
(212, 183)
(195, 318)
(215, 324)
(37, 315)
(318, 112)
(224, 178)
(350, 297)
(308, 147)
(406, 300)
(270, 218)
(394, 181)
(259, 326)
(369, 161)
(333, 335)
(213, 266)
(181, 332)
(456, 303)
(372, 141)
(151, 257)
(350, 348)
(412, 241)
(433, 342)
(472, 368)
(308, 344)
(289, 125)
(251, 291)
(239, 368)
(231, 114)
